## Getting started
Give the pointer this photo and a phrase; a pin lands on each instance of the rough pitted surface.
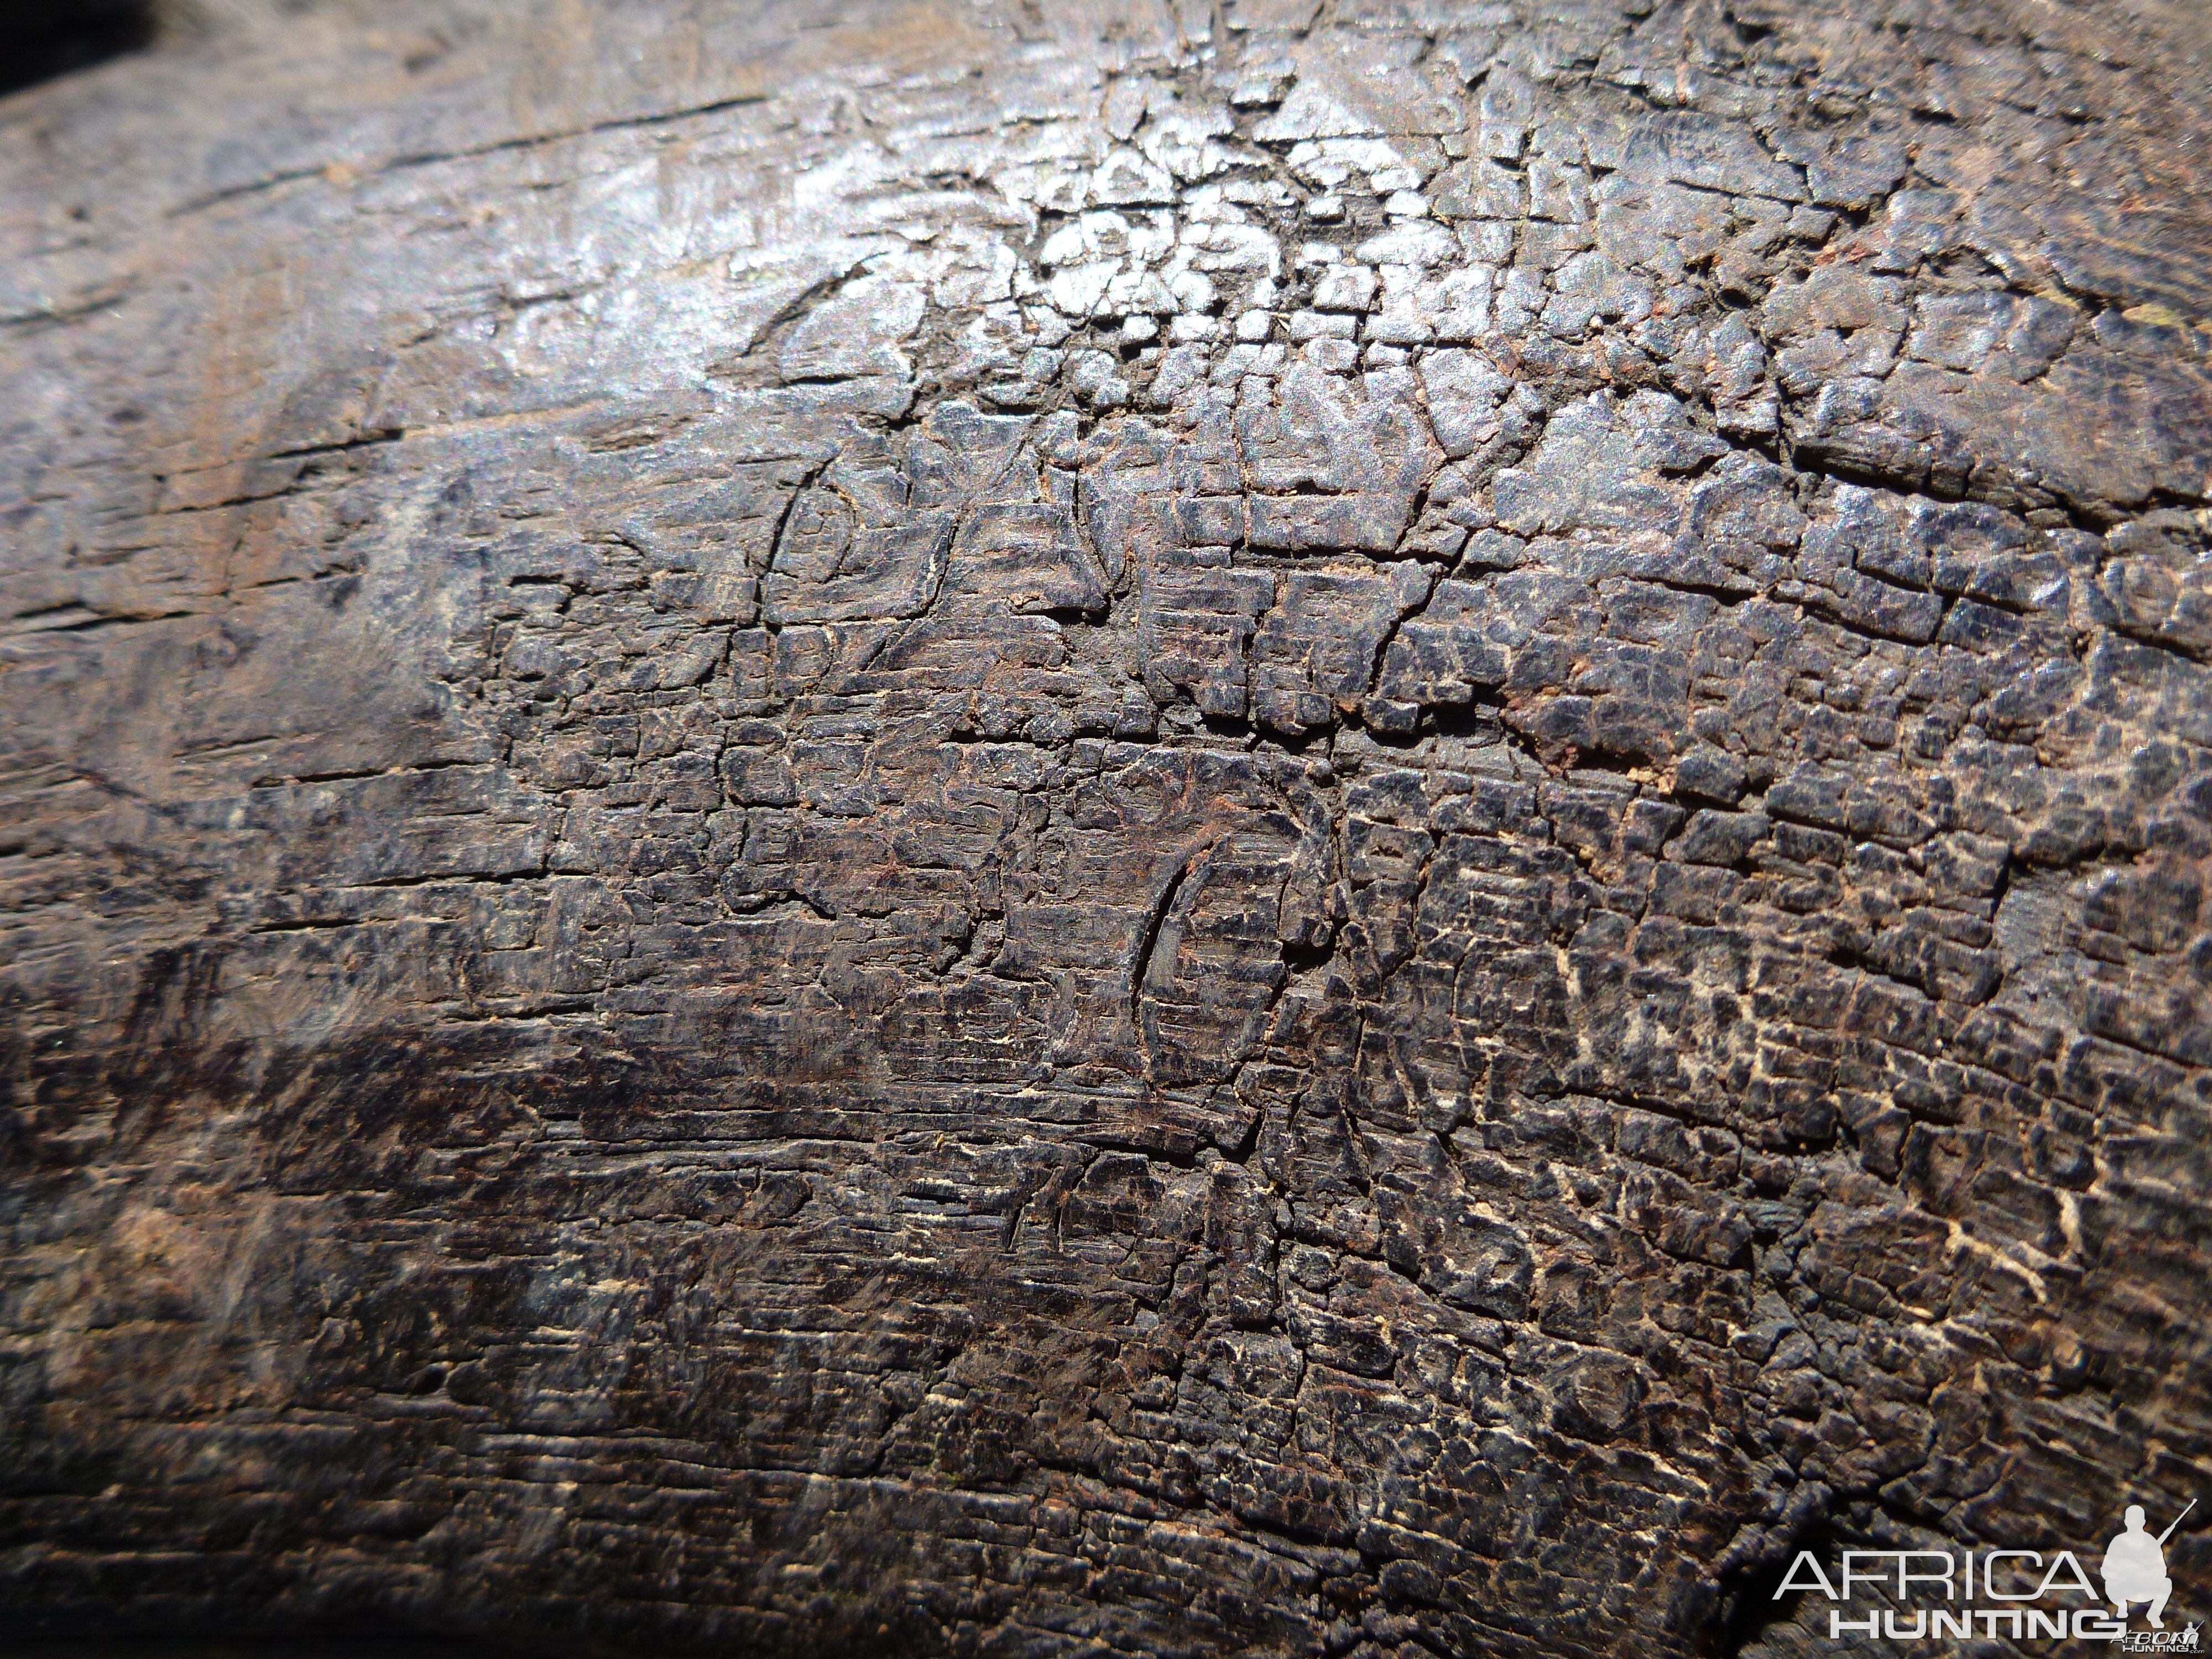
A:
(1345, 827)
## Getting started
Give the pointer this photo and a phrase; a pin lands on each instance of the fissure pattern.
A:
(1358, 829)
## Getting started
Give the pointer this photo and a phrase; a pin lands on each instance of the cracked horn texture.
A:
(1351, 827)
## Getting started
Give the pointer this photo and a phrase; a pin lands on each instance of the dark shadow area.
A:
(41, 38)
(321, 1645)
(364, 1636)
(304, 1647)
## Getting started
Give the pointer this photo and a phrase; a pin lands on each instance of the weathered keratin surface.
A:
(1358, 828)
